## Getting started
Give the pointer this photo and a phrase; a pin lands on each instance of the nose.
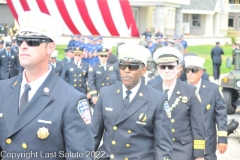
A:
(23, 45)
(127, 70)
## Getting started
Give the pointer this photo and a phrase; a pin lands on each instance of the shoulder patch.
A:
(167, 109)
(198, 96)
(84, 111)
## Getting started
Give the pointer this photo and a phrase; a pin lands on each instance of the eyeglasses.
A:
(103, 55)
(170, 67)
(53, 57)
(193, 70)
(33, 42)
(131, 67)
(79, 55)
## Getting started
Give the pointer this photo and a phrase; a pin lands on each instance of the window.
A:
(230, 22)
(196, 20)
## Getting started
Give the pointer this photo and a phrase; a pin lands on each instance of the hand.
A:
(222, 147)
(94, 100)
(199, 158)
(88, 96)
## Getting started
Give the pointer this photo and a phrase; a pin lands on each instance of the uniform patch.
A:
(12, 57)
(198, 96)
(167, 109)
(108, 109)
(3, 56)
(84, 111)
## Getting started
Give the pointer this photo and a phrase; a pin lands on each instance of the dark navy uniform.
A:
(155, 80)
(50, 124)
(187, 121)
(9, 65)
(216, 60)
(141, 130)
(66, 60)
(99, 78)
(215, 111)
(76, 76)
(58, 67)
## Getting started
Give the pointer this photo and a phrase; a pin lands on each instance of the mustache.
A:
(126, 76)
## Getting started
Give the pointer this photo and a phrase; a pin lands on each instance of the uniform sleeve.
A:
(98, 122)
(163, 132)
(91, 82)
(197, 125)
(221, 117)
(64, 73)
(78, 135)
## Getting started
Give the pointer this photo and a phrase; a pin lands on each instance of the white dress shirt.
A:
(103, 65)
(134, 91)
(34, 85)
(171, 88)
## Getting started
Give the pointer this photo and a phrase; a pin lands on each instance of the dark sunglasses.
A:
(33, 42)
(79, 55)
(193, 70)
(103, 55)
(131, 67)
(170, 67)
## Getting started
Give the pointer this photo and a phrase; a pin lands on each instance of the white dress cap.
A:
(194, 61)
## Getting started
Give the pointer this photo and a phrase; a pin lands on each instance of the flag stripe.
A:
(104, 8)
(18, 7)
(42, 6)
(86, 18)
(33, 5)
(129, 16)
(25, 5)
(12, 8)
(68, 21)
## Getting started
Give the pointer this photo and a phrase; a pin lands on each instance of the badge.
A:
(140, 94)
(84, 111)
(71, 69)
(178, 92)
(184, 99)
(108, 109)
(110, 68)
(90, 69)
(198, 96)
(142, 117)
(208, 106)
(15, 83)
(167, 109)
(46, 90)
(42, 133)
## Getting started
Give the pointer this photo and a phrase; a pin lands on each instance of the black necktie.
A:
(127, 99)
(166, 91)
(24, 98)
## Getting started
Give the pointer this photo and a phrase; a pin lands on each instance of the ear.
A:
(144, 69)
(50, 48)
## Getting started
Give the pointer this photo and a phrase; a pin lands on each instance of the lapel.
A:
(138, 102)
(203, 90)
(11, 106)
(117, 99)
(39, 101)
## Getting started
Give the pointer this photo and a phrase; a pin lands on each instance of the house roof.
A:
(206, 5)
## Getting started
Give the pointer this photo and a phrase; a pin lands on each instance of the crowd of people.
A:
(45, 109)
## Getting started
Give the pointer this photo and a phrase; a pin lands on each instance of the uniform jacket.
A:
(9, 66)
(98, 78)
(133, 131)
(187, 116)
(155, 80)
(215, 111)
(76, 77)
(65, 61)
(58, 69)
(54, 106)
(216, 55)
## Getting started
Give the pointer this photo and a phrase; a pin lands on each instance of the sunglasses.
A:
(103, 55)
(193, 70)
(131, 67)
(170, 67)
(53, 57)
(79, 55)
(33, 42)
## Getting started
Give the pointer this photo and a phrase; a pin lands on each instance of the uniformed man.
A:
(214, 107)
(1, 46)
(133, 119)
(57, 66)
(71, 43)
(76, 73)
(186, 110)
(9, 63)
(41, 116)
(98, 75)
(14, 46)
(68, 56)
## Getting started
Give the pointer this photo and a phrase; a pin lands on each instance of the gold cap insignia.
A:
(142, 117)
(42, 133)
(184, 99)
(208, 106)
(46, 90)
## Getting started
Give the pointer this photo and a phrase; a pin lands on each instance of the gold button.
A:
(127, 145)
(107, 78)
(125, 158)
(80, 75)
(75, 80)
(102, 84)
(173, 139)
(129, 131)
(173, 130)
(115, 128)
(172, 120)
(75, 85)
(75, 75)
(24, 145)
(80, 85)
(113, 142)
(111, 156)
(8, 141)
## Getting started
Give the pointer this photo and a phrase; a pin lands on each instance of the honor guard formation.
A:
(94, 105)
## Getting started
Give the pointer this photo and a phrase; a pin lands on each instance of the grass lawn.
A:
(202, 51)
